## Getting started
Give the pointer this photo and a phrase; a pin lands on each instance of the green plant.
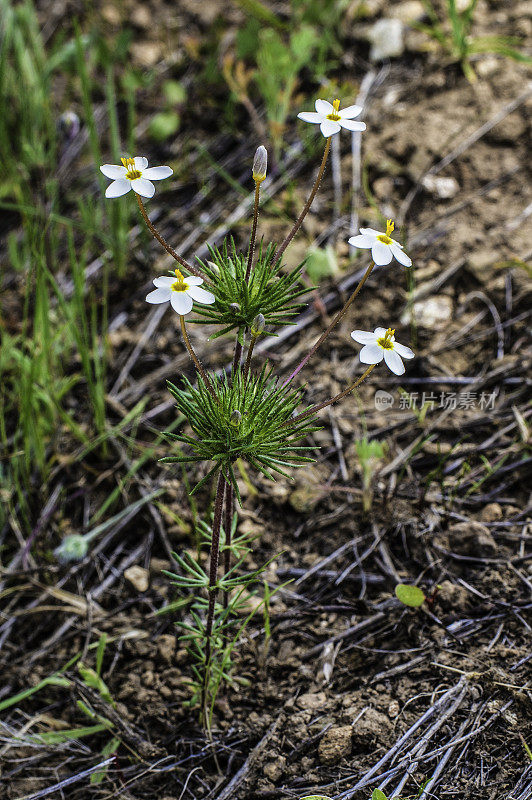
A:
(89, 678)
(239, 300)
(369, 453)
(249, 416)
(165, 124)
(411, 596)
(454, 36)
(53, 349)
(271, 54)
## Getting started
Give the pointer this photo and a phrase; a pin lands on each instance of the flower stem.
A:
(195, 359)
(307, 205)
(238, 347)
(163, 241)
(333, 324)
(334, 399)
(253, 230)
(236, 357)
(247, 365)
(228, 521)
(213, 575)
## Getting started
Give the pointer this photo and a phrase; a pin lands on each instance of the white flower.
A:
(133, 174)
(332, 119)
(383, 248)
(381, 344)
(180, 291)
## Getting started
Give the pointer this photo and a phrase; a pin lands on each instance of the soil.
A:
(348, 670)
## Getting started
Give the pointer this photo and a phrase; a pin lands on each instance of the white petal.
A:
(350, 112)
(118, 188)
(329, 127)
(181, 302)
(379, 333)
(352, 124)
(165, 281)
(381, 253)
(140, 162)
(200, 295)
(143, 187)
(393, 361)
(403, 350)
(310, 116)
(363, 337)
(159, 296)
(400, 255)
(157, 173)
(113, 171)
(370, 354)
(361, 241)
(323, 107)
(194, 280)
(371, 232)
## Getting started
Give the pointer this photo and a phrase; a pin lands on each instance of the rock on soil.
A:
(138, 577)
(471, 539)
(312, 701)
(491, 513)
(372, 727)
(335, 744)
(452, 597)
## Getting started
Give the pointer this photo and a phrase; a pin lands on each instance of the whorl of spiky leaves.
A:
(268, 291)
(257, 433)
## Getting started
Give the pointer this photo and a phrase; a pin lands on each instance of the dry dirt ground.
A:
(353, 691)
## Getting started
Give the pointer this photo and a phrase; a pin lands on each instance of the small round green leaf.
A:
(377, 794)
(315, 797)
(409, 595)
(164, 125)
(174, 92)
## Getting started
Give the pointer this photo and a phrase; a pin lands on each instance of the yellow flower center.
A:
(385, 237)
(179, 284)
(334, 115)
(132, 173)
(386, 341)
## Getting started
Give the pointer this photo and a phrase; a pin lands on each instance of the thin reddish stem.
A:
(228, 523)
(253, 230)
(247, 365)
(195, 359)
(153, 230)
(307, 205)
(333, 324)
(334, 399)
(213, 591)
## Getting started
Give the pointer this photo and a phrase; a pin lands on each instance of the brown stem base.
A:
(213, 591)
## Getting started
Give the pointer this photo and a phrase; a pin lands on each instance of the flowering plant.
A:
(246, 414)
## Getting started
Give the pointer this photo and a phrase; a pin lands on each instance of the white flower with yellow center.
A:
(331, 118)
(383, 247)
(180, 291)
(133, 174)
(381, 345)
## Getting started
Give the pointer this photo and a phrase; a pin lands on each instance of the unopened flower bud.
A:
(236, 416)
(257, 326)
(235, 308)
(73, 548)
(69, 124)
(260, 164)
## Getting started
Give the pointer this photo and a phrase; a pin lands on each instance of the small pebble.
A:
(386, 36)
(138, 577)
